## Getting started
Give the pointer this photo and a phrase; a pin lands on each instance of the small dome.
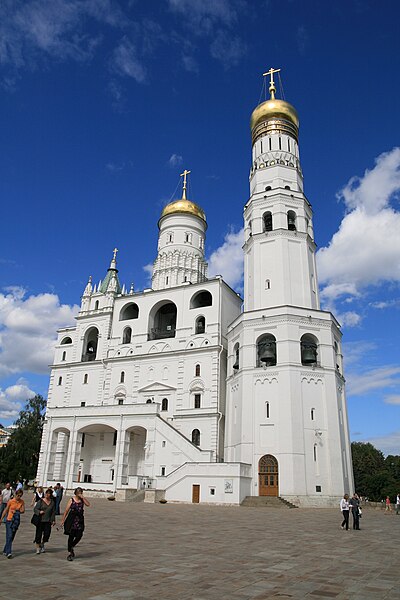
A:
(183, 206)
(274, 108)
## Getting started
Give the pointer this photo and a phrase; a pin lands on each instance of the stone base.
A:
(313, 501)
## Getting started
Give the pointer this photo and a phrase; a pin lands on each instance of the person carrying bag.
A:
(44, 519)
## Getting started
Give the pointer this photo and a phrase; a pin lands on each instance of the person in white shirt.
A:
(6, 495)
(345, 508)
(397, 504)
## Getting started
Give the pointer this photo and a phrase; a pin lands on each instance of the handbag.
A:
(68, 522)
(36, 519)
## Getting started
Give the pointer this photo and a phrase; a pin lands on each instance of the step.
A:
(267, 502)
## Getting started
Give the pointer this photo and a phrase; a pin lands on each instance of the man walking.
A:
(59, 490)
(6, 495)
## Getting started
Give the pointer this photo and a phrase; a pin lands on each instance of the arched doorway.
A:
(268, 476)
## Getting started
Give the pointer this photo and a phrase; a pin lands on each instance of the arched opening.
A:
(196, 437)
(267, 221)
(64, 356)
(201, 299)
(162, 322)
(60, 381)
(135, 472)
(85, 378)
(66, 340)
(291, 220)
(200, 326)
(268, 482)
(90, 341)
(309, 350)
(236, 354)
(164, 404)
(122, 377)
(127, 335)
(58, 454)
(129, 311)
(266, 350)
(97, 460)
(197, 371)
(96, 305)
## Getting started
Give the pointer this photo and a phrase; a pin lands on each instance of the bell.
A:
(308, 354)
(268, 353)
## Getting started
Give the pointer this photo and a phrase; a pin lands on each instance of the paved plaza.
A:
(201, 552)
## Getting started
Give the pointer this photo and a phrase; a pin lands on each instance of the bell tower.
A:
(279, 246)
(286, 410)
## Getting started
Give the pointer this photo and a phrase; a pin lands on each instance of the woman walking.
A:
(74, 521)
(345, 508)
(15, 507)
(45, 509)
(37, 495)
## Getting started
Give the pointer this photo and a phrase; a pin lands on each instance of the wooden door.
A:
(268, 483)
(196, 494)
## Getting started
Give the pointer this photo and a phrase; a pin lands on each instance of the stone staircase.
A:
(267, 502)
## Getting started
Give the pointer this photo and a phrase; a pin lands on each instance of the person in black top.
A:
(355, 505)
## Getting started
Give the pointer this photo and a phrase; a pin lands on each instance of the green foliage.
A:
(374, 475)
(19, 458)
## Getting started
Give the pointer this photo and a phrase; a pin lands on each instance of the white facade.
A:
(152, 391)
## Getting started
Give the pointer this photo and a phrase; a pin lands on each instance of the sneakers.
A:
(37, 550)
(70, 557)
(10, 556)
(42, 549)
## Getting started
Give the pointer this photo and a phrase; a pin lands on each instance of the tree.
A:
(19, 458)
(374, 475)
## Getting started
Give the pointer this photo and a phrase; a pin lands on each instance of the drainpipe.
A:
(219, 372)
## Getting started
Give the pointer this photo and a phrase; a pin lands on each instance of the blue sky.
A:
(103, 103)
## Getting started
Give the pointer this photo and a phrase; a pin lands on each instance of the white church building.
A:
(179, 392)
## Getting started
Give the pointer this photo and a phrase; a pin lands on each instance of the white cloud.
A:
(388, 444)
(368, 233)
(362, 382)
(227, 260)
(203, 15)
(12, 399)
(148, 269)
(28, 328)
(349, 318)
(392, 399)
(175, 160)
(126, 62)
(227, 48)
(382, 304)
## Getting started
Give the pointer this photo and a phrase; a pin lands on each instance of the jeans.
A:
(3, 506)
(10, 535)
(58, 502)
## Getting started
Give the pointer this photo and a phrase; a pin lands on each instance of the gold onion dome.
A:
(274, 115)
(183, 205)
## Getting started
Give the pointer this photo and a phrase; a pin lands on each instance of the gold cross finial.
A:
(272, 88)
(184, 175)
(115, 253)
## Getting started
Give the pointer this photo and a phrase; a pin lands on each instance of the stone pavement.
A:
(200, 552)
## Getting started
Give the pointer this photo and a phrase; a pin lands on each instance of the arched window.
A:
(162, 322)
(129, 311)
(127, 335)
(149, 401)
(312, 414)
(200, 325)
(197, 371)
(122, 378)
(291, 220)
(66, 340)
(267, 221)
(85, 378)
(196, 437)
(164, 404)
(89, 350)
(64, 356)
(268, 188)
(201, 299)
(197, 400)
(287, 187)
(96, 305)
(60, 381)
(309, 350)
(236, 353)
(315, 452)
(266, 351)
(267, 409)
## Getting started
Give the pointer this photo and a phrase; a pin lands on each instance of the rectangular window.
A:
(212, 491)
(197, 400)
(162, 471)
(120, 401)
(163, 444)
(83, 403)
(115, 439)
(83, 441)
(318, 488)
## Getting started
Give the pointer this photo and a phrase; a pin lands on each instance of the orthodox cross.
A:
(115, 253)
(184, 175)
(272, 88)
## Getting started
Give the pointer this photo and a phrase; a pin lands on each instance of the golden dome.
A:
(274, 108)
(183, 206)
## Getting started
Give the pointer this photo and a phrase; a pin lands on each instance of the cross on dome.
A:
(184, 175)
(272, 88)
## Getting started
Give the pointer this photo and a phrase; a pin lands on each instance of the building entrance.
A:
(268, 476)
